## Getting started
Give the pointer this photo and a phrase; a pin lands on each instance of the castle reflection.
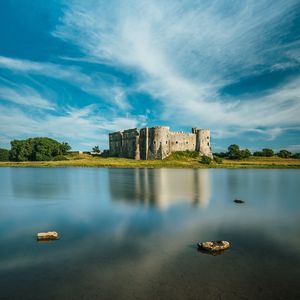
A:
(160, 187)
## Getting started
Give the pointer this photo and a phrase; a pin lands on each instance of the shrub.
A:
(179, 155)
(296, 155)
(4, 155)
(205, 160)
(284, 154)
(218, 160)
(59, 157)
(220, 154)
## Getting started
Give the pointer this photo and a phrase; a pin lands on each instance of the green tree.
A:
(257, 153)
(267, 152)
(96, 149)
(296, 155)
(39, 148)
(4, 154)
(284, 154)
(245, 153)
(234, 152)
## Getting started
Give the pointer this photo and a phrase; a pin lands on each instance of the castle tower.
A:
(159, 143)
(203, 141)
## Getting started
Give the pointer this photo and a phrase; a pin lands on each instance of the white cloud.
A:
(76, 126)
(94, 84)
(185, 51)
(25, 95)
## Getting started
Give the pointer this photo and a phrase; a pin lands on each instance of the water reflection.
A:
(160, 188)
(45, 183)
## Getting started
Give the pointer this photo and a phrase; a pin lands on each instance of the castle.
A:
(157, 142)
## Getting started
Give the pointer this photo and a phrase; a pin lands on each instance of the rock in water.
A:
(238, 201)
(46, 236)
(214, 246)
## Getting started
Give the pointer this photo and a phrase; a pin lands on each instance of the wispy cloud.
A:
(184, 52)
(25, 95)
(109, 90)
(86, 125)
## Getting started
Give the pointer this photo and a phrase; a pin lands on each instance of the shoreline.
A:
(87, 161)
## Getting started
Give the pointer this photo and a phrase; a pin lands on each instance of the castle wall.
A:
(158, 142)
(181, 141)
(130, 144)
(144, 143)
(115, 144)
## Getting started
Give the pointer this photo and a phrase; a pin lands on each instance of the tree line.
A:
(234, 152)
(35, 149)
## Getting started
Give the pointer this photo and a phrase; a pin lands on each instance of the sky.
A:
(77, 70)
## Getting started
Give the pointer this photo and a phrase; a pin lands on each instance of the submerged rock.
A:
(239, 201)
(214, 246)
(46, 236)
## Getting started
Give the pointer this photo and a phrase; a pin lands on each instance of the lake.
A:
(132, 233)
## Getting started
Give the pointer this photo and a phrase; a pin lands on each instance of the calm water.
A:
(131, 234)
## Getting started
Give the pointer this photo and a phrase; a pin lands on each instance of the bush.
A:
(220, 154)
(179, 155)
(218, 160)
(4, 155)
(284, 154)
(296, 155)
(59, 157)
(37, 149)
(205, 160)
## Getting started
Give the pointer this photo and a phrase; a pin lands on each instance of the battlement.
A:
(158, 142)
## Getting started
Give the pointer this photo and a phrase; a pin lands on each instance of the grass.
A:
(176, 160)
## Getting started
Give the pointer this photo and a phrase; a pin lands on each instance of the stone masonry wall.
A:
(157, 142)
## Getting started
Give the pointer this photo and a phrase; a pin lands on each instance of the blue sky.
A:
(76, 70)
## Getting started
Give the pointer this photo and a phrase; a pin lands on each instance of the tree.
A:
(4, 154)
(284, 154)
(96, 149)
(296, 155)
(245, 153)
(233, 152)
(257, 153)
(267, 152)
(39, 148)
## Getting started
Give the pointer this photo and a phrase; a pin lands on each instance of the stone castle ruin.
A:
(157, 142)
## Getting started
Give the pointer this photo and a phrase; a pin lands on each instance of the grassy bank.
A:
(175, 161)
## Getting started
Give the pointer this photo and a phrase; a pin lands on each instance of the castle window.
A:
(166, 142)
(207, 137)
(154, 142)
(207, 144)
(176, 142)
(187, 142)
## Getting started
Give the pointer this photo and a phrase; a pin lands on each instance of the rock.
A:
(214, 246)
(46, 236)
(238, 201)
